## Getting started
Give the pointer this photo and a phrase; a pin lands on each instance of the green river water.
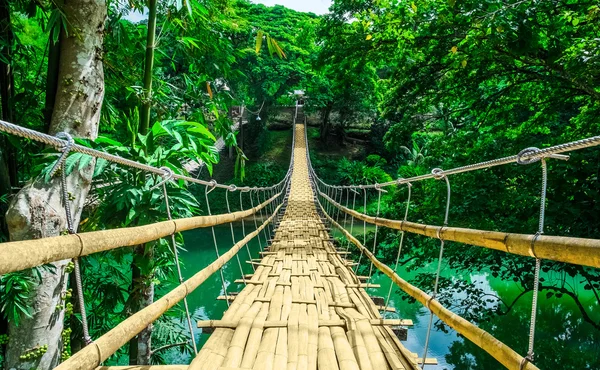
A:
(563, 339)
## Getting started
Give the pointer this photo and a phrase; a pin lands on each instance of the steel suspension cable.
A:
(438, 173)
(212, 229)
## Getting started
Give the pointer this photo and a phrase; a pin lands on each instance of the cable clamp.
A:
(66, 149)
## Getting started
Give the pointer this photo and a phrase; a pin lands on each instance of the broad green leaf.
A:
(259, 40)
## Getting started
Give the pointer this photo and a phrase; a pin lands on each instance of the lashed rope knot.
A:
(379, 188)
(166, 177)
(66, 149)
(526, 156)
(532, 155)
(438, 173)
(212, 183)
(527, 359)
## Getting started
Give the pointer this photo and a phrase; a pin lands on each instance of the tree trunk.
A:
(52, 75)
(142, 291)
(37, 210)
(242, 128)
(325, 123)
(148, 66)
(142, 286)
(7, 91)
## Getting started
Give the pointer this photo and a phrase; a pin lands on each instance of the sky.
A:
(314, 6)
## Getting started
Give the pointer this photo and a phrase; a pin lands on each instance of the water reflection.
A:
(563, 339)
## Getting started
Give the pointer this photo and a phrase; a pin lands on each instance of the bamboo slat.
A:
(20, 255)
(579, 251)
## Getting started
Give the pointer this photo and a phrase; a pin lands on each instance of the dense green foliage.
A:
(428, 83)
(460, 82)
(209, 57)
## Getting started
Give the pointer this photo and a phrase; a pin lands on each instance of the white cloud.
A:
(314, 6)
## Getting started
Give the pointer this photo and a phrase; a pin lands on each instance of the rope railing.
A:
(102, 348)
(20, 255)
(484, 340)
(58, 143)
(579, 251)
(526, 156)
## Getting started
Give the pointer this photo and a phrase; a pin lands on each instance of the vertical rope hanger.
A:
(255, 223)
(237, 255)
(244, 232)
(268, 212)
(60, 163)
(387, 301)
(337, 218)
(379, 191)
(272, 206)
(212, 228)
(167, 177)
(364, 228)
(536, 277)
(262, 218)
(438, 174)
(352, 217)
(345, 214)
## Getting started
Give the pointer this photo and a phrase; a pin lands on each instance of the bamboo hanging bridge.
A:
(304, 307)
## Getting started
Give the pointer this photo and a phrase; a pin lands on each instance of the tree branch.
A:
(167, 347)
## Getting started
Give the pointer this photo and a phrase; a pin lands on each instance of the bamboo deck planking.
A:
(303, 308)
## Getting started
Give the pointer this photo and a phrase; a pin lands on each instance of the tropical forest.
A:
(155, 158)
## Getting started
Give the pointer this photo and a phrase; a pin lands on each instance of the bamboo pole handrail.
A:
(578, 251)
(484, 340)
(102, 348)
(20, 255)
